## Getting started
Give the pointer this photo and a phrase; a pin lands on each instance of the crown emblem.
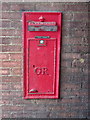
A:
(41, 18)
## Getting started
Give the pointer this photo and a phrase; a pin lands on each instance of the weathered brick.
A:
(16, 114)
(15, 93)
(5, 115)
(16, 71)
(66, 63)
(5, 6)
(57, 6)
(6, 102)
(45, 6)
(11, 40)
(70, 56)
(6, 24)
(16, 56)
(70, 70)
(68, 16)
(16, 24)
(79, 33)
(6, 86)
(75, 41)
(11, 63)
(77, 25)
(75, 49)
(68, 100)
(6, 41)
(4, 56)
(81, 16)
(71, 86)
(10, 48)
(10, 107)
(81, 63)
(11, 15)
(16, 87)
(11, 32)
(75, 33)
(16, 6)
(11, 79)
(74, 78)
(4, 71)
(76, 7)
(21, 7)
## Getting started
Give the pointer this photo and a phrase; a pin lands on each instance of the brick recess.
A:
(73, 102)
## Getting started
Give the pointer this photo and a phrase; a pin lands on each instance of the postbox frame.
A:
(25, 62)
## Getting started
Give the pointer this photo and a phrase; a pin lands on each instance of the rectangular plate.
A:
(42, 28)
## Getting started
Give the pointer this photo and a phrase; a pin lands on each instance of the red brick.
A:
(11, 40)
(61, 108)
(79, 33)
(16, 87)
(11, 108)
(6, 102)
(57, 6)
(11, 79)
(22, 7)
(76, 7)
(16, 71)
(70, 56)
(80, 63)
(75, 49)
(73, 93)
(6, 41)
(75, 41)
(16, 7)
(5, 115)
(11, 15)
(6, 24)
(5, 6)
(16, 56)
(70, 70)
(77, 25)
(81, 16)
(4, 56)
(66, 64)
(0, 87)
(11, 48)
(68, 100)
(70, 86)
(68, 16)
(4, 71)
(75, 33)
(16, 114)
(61, 115)
(45, 6)
(5, 86)
(1, 102)
(16, 24)
(11, 63)
(11, 32)
(15, 93)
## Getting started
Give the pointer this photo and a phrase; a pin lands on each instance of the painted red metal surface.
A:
(41, 54)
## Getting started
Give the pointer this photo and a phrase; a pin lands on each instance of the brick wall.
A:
(74, 63)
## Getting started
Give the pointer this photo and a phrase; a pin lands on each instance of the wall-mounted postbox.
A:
(42, 38)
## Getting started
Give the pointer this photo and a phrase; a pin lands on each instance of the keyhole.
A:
(33, 65)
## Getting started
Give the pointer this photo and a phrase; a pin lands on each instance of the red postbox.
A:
(42, 39)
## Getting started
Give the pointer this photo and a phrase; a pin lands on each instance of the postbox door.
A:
(42, 62)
